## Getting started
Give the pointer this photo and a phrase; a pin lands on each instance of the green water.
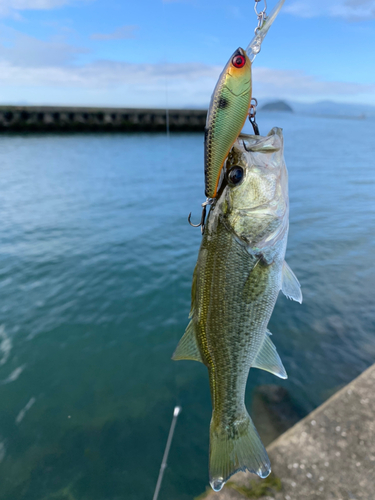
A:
(96, 259)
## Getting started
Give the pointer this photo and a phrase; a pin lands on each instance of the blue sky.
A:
(148, 53)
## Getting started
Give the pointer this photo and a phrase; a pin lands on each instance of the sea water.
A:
(96, 261)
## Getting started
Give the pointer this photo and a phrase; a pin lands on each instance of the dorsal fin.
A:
(267, 358)
(188, 347)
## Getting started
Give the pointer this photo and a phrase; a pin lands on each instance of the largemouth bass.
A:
(237, 278)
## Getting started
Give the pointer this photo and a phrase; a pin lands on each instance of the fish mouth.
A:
(270, 143)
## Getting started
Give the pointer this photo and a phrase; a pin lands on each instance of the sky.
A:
(169, 53)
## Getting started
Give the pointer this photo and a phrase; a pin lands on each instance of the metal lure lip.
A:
(254, 46)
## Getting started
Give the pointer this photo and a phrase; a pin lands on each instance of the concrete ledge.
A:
(61, 118)
(329, 455)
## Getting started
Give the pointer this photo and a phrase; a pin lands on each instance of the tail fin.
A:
(234, 448)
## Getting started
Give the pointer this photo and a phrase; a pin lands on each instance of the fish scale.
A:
(231, 332)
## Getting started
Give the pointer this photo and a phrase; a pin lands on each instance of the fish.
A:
(239, 272)
(229, 106)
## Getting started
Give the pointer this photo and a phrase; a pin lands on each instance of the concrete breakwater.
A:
(329, 455)
(53, 118)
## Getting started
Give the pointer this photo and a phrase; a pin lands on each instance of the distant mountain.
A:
(329, 108)
(277, 106)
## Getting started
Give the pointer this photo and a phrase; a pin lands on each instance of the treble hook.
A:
(203, 216)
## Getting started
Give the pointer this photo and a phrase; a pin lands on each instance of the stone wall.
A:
(53, 118)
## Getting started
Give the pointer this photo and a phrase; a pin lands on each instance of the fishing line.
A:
(173, 284)
(166, 106)
(166, 78)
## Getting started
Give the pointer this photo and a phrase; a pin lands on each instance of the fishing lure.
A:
(226, 116)
(230, 103)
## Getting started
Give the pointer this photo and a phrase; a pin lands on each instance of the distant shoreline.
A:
(340, 117)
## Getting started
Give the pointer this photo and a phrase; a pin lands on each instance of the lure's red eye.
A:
(238, 61)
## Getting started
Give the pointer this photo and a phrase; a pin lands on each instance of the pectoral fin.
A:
(290, 285)
(267, 358)
(188, 347)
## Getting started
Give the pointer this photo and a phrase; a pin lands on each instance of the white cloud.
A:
(31, 67)
(110, 83)
(11, 8)
(24, 51)
(288, 83)
(32, 4)
(303, 9)
(188, 84)
(121, 33)
(104, 73)
(350, 10)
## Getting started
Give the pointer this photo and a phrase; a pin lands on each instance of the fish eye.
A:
(238, 61)
(235, 175)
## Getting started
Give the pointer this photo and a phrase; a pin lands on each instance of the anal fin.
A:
(188, 348)
(290, 284)
(268, 359)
